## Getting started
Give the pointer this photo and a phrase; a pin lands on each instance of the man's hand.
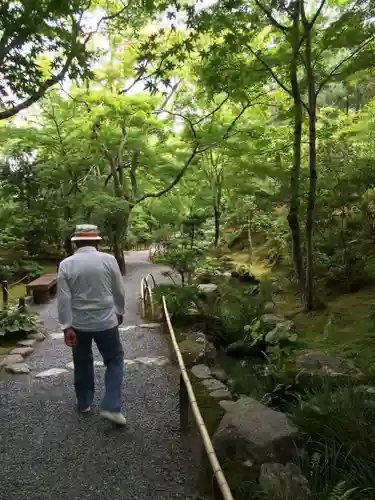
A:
(120, 318)
(70, 337)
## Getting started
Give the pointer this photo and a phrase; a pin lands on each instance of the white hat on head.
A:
(86, 232)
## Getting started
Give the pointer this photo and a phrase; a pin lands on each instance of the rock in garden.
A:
(190, 351)
(11, 359)
(252, 431)
(324, 364)
(226, 404)
(24, 351)
(221, 394)
(269, 321)
(207, 288)
(284, 482)
(282, 331)
(39, 336)
(201, 338)
(207, 355)
(18, 368)
(213, 385)
(220, 374)
(27, 342)
(201, 371)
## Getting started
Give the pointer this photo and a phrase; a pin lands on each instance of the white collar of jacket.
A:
(86, 249)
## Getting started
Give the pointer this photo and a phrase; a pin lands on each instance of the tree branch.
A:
(175, 180)
(40, 92)
(196, 151)
(273, 74)
(317, 13)
(272, 20)
(341, 63)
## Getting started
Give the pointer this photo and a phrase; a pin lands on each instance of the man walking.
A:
(91, 305)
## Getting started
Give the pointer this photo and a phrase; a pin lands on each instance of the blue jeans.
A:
(110, 348)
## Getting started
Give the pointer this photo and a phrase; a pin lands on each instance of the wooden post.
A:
(184, 407)
(4, 285)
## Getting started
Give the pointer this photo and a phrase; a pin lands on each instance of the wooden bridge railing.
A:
(221, 490)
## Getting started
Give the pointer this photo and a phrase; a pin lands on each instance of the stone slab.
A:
(27, 342)
(18, 368)
(23, 351)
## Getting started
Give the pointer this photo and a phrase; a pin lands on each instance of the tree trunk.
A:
(293, 215)
(217, 216)
(119, 234)
(249, 238)
(309, 284)
(118, 253)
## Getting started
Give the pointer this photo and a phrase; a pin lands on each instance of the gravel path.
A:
(49, 451)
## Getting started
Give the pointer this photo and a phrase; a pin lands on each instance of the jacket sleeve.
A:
(118, 288)
(64, 306)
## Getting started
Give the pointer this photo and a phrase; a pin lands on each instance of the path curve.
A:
(49, 451)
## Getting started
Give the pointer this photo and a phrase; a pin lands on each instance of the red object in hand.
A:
(70, 337)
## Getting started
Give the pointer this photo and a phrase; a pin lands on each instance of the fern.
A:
(340, 492)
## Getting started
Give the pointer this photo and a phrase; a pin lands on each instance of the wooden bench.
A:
(43, 288)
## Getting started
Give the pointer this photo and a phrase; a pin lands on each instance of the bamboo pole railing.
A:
(187, 397)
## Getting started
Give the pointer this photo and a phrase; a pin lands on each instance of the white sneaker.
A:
(86, 410)
(116, 418)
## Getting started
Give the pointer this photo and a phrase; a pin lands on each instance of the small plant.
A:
(180, 300)
(16, 323)
(182, 260)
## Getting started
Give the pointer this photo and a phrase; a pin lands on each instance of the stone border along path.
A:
(50, 451)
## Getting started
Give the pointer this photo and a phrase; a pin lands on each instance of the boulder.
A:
(213, 385)
(207, 354)
(284, 482)
(269, 321)
(251, 431)
(207, 288)
(190, 351)
(201, 338)
(18, 368)
(11, 359)
(243, 349)
(321, 363)
(201, 371)
(226, 404)
(221, 394)
(220, 374)
(24, 351)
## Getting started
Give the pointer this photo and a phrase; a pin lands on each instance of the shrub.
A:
(27, 267)
(227, 316)
(182, 260)
(179, 299)
(14, 323)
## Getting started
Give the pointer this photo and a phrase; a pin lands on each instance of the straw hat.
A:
(86, 232)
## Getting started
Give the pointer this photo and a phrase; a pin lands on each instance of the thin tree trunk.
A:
(293, 215)
(119, 240)
(217, 225)
(249, 238)
(309, 284)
